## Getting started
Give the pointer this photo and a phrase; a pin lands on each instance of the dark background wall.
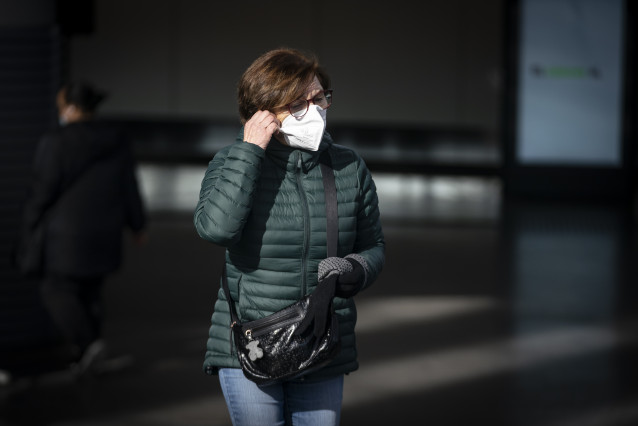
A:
(29, 78)
(27, 13)
(424, 63)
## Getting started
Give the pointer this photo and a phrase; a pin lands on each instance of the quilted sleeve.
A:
(226, 195)
(370, 243)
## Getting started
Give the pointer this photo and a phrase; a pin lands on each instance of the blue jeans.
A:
(295, 402)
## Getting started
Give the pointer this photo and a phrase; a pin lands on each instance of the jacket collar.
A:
(288, 158)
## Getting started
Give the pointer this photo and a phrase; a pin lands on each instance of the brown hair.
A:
(277, 78)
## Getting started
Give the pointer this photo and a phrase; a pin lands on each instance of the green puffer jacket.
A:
(267, 208)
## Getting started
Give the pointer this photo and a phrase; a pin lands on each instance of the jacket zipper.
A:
(306, 226)
(278, 320)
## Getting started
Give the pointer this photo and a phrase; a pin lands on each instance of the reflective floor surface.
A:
(487, 313)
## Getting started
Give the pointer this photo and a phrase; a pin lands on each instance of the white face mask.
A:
(305, 132)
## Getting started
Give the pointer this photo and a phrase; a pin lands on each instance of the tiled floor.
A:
(487, 313)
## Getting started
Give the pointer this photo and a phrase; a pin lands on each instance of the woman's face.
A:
(311, 91)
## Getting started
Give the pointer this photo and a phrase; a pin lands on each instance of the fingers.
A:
(333, 265)
(260, 128)
(266, 118)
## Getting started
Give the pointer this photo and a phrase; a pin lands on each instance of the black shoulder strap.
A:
(231, 306)
(332, 224)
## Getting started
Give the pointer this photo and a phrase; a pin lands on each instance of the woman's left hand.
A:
(350, 273)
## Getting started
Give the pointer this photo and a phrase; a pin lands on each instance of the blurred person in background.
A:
(84, 182)
(262, 198)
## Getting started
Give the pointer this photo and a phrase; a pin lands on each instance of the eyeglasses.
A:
(299, 108)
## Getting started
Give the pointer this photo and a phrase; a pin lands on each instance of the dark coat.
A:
(86, 173)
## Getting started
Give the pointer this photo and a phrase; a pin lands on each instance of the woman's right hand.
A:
(260, 128)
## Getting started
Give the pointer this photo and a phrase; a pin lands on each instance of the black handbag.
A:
(271, 349)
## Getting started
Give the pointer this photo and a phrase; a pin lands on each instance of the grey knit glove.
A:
(351, 272)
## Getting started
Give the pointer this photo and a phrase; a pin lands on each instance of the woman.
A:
(262, 199)
(85, 186)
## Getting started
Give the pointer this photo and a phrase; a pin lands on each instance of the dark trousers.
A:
(75, 306)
